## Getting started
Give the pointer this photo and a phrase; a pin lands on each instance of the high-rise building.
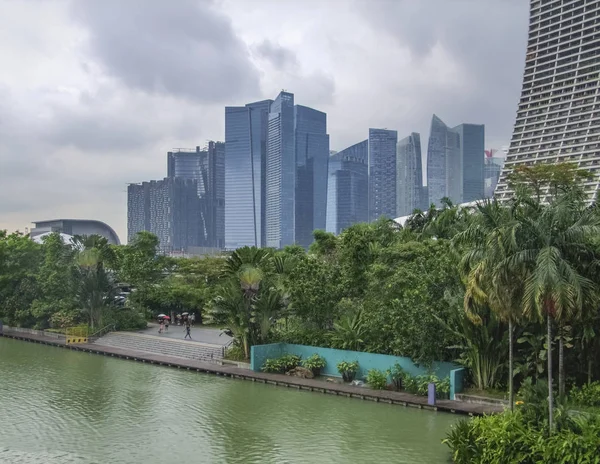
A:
(491, 172)
(207, 168)
(245, 174)
(348, 187)
(281, 173)
(455, 162)
(409, 175)
(558, 117)
(168, 208)
(382, 173)
(471, 153)
(312, 158)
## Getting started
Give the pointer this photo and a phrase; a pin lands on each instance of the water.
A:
(59, 406)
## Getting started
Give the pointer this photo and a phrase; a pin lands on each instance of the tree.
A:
(95, 290)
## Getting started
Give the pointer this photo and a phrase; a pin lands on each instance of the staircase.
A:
(164, 346)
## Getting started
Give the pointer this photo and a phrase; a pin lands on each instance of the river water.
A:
(59, 406)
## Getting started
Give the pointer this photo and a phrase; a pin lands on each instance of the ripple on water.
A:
(63, 406)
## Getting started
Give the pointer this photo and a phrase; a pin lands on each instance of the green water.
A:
(59, 406)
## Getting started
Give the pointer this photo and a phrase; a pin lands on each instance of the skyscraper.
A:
(245, 161)
(455, 162)
(312, 158)
(491, 172)
(281, 173)
(409, 175)
(348, 187)
(382, 173)
(558, 116)
(207, 168)
(168, 208)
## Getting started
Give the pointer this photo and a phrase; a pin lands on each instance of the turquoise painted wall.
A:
(366, 362)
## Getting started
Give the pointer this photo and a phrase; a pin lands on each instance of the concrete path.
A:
(199, 334)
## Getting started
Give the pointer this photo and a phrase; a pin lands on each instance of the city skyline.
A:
(88, 122)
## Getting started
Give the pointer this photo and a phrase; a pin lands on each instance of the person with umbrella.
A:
(187, 330)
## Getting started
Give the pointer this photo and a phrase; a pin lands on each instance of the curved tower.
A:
(558, 118)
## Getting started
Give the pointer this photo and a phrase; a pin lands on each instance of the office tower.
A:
(348, 187)
(492, 169)
(471, 153)
(409, 175)
(558, 116)
(312, 158)
(281, 173)
(207, 168)
(455, 162)
(245, 160)
(168, 208)
(382, 173)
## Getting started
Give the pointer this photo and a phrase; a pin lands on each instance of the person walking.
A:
(161, 327)
(167, 325)
(187, 331)
(193, 318)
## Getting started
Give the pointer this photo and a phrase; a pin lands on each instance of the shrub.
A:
(377, 379)
(235, 353)
(315, 363)
(397, 375)
(281, 365)
(272, 366)
(348, 370)
(419, 385)
(126, 319)
(588, 395)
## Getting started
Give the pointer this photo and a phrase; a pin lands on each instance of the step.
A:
(165, 346)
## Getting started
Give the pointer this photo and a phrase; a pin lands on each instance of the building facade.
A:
(558, 116)
(382, 173)
(491, 172)
(281, 173)
(455, 161)
(409, 175)
(169, 209)
(348, 187)
(75, 227)
(245, 174)
(312, 161)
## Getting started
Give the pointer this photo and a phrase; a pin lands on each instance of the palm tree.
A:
(95, 290)
(490, 239)
(555, 288)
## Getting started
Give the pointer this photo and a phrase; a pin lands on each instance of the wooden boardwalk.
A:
(385, 396)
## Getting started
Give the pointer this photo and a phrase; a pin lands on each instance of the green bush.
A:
(281, 365)
(588, 395)
(235, 353)
(272, 365)
(126, 319)
(348, 370)
(510, 438)
(377, 379)
(315, 363)
(397, 375)
(419, 385)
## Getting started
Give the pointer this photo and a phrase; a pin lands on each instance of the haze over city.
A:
(94, 94)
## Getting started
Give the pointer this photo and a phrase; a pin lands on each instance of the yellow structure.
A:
(74, 335)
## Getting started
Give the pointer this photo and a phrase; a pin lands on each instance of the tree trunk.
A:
(561, 364)
(550, 393)
(511, 393)
(590, 364)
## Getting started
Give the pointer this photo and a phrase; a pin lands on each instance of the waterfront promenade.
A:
(223, 369)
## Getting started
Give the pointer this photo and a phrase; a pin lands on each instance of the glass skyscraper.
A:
(312, 158)
(409, 178)
(558, 117)
(281, 173)
(491, 173)
(455, 162)
(382, 173)
(245, 174)
(348, 188)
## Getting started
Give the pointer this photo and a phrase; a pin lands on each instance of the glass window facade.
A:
(471, 146)
(382, 173)
(409, 177)
(312, 160)
(348, 188)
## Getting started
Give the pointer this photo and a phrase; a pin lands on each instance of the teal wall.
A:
(457, 381)
(366, 362)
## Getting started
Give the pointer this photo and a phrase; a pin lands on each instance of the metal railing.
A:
(103, 331)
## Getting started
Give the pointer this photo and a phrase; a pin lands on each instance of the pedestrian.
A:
(161, 328)
(193, 318)
(166, 325)
(187, 331)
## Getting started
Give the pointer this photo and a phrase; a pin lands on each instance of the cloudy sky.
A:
(93, 93)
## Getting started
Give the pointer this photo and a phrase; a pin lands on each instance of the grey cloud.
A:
(279, 56)
(183, 48)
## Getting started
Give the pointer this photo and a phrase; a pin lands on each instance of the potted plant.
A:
(348, 370)
(315, 363)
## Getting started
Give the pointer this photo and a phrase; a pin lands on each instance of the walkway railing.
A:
(103, 331)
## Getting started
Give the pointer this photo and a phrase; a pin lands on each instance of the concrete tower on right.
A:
(558, 117)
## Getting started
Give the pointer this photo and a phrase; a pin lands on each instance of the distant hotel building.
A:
(348, 187)
(558, 117)
(455, 162)
(382, 173)
(409, 177)
(276, 158)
